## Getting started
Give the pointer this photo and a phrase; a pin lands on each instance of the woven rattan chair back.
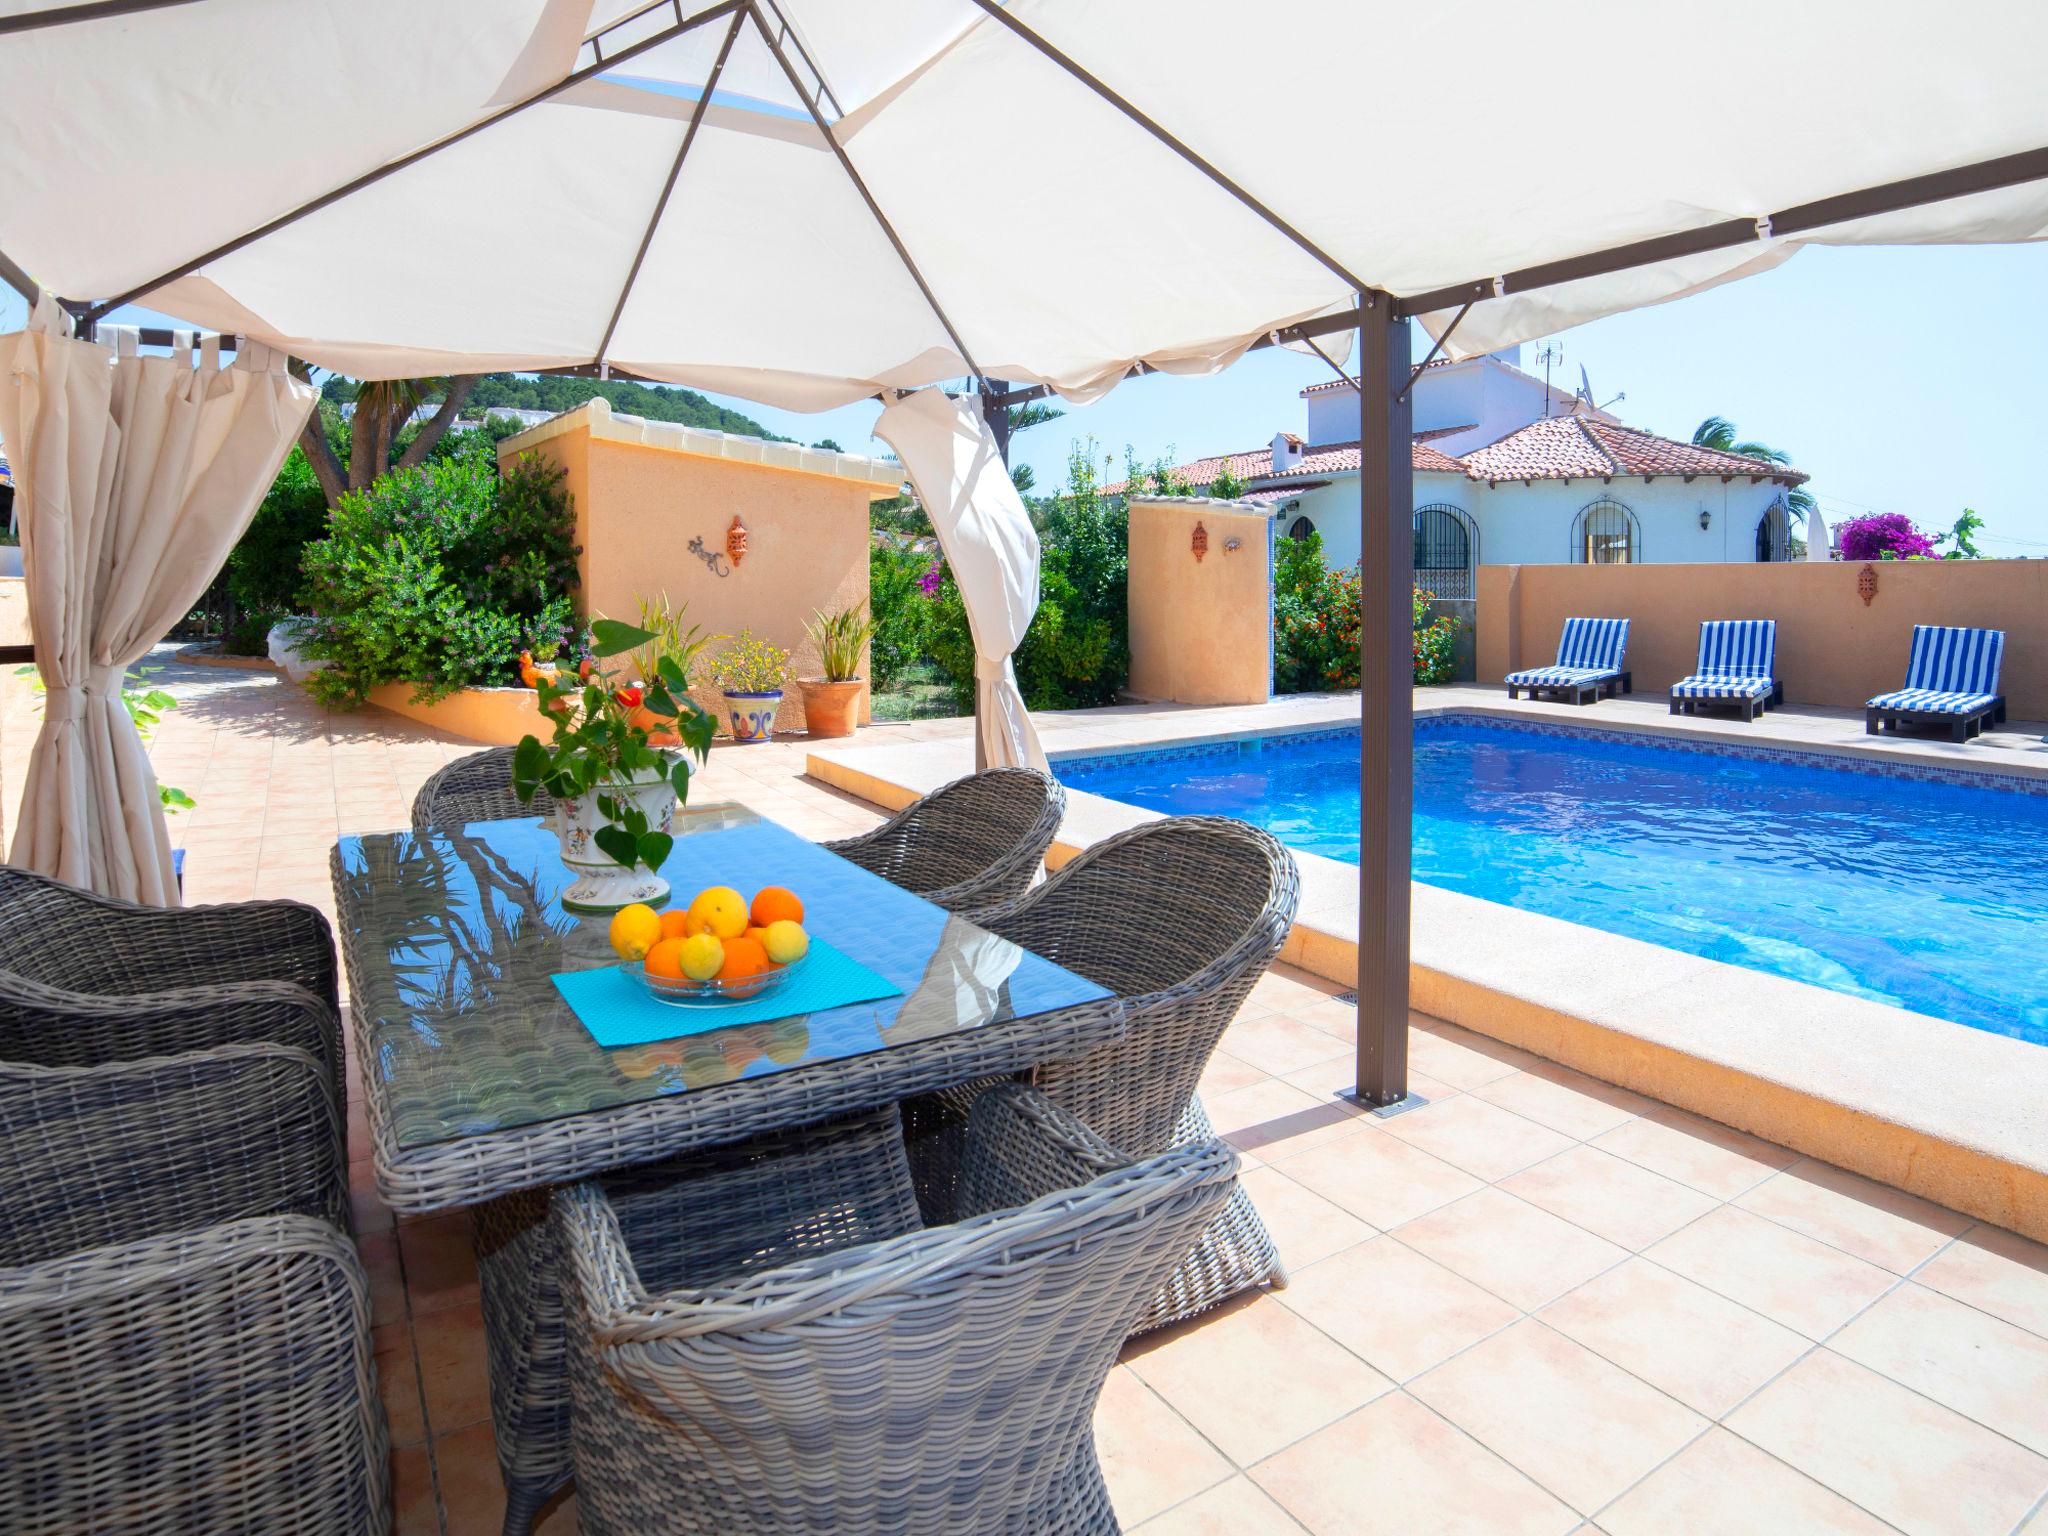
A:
(973, 843)
(1179, 918)
(474, 788)
(945, 1380)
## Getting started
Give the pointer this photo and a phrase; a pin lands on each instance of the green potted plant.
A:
(674, 640)
(832, 702)
(751, 672)
(615, 791)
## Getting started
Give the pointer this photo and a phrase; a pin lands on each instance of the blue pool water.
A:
(1924, 893)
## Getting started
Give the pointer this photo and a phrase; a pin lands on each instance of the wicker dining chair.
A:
(1179, 917)
(972, 843)
(184, 1326)
(474, 788)
(735, 1370)
(86, 979)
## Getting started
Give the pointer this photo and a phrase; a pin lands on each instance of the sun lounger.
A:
(1951, 681)
(1737, 665)
(1589, 657)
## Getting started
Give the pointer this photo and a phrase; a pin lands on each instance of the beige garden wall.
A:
(1833, 649)
(644, 490)
(1201, 630)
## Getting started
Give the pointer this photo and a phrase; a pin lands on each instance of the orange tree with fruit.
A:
(596, 744)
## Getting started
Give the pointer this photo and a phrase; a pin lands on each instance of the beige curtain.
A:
(133, 476)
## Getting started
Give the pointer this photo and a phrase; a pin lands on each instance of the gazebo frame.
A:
(1386, 372)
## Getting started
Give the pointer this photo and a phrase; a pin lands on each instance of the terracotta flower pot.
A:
(831, 709)
(661, 732)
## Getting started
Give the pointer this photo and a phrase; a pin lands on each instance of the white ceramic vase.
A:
(600, 884)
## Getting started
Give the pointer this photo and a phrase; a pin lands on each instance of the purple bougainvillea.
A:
(1883, 536)
(929, 582)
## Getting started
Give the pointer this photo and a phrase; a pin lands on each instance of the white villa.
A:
(1511, 470)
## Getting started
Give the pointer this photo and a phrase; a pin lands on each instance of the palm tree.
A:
(1719, 434)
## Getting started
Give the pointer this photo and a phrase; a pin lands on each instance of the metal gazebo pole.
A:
(1386, 682)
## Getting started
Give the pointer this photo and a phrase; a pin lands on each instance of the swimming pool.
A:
(1923, 891)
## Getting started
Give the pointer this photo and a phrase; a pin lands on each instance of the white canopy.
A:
(1046, 235)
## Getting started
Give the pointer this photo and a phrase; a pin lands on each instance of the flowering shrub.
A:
(902, 585)
(749, 664)
(1436, 636)
(1315, 619)
(1884, 536)
(440, 576)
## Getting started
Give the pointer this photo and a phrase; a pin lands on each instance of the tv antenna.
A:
(1551, 353)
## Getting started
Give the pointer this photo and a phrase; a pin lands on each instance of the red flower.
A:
(627, 698)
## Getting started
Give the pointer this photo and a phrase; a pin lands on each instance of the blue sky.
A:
(1903, 379)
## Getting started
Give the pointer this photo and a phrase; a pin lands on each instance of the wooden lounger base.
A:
(1750, 708)
(1576, 693)
(1960, 727)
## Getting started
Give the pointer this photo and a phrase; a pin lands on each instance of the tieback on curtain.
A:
(990, 669)
(69, 701)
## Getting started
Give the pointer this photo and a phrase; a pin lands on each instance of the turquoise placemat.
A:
(617, 1010)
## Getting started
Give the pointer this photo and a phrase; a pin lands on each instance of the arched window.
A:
(1446, 549)
(1300, 528)
(1773, 534)
(1605, 533)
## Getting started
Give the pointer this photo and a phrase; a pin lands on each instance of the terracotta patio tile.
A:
(1609, 1196)
(1278, 1043)
(558, 1517)
(1340, 1075)
(440, 1263)
(1400, 1312)
(1791, 1279)
(1332, 1018)
(398, 1383)
(1583, 1428)
(1903, 1457)
(1256, 1378)
(1724, 1486)
(1152, 1458)
(415, 1510)
(1681, 1338)
(1463, 1059)
(1875, 1222)
(1236, 1508)
(1977, 1364)
(1379, 1179)
(1274, 1119)
(472, 1488)
(1303, 1225)
(1711, 1158)
(1469, 1133)
(1396, 1469)
(452, 1368)
(1521, 1254)
(379, 1253)
(1284, 987)
(1225, 1073)
(1995, 1271)
(1566, 1101)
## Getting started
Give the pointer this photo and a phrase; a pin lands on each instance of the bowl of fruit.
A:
(719, 949)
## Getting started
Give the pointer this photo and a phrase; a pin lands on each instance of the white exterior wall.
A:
(1480, 393)
(1524, 524)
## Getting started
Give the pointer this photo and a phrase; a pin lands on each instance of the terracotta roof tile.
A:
(1584, 447)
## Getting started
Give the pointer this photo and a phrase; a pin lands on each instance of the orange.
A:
(675, 924)
(720, 909)
(744, 956)
(775, 904)
(666, 959)
(694, 925)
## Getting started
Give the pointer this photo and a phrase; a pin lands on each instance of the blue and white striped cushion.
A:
(1933, 701)
(1595, 643)
(1558, 677)
(1711, 686)
(1737, 648)
(1950, 660)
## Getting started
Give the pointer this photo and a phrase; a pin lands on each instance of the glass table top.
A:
(455, 935)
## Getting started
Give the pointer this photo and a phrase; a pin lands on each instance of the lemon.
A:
(720, 909)
(785, 941)
(635, 930)
(701, 957)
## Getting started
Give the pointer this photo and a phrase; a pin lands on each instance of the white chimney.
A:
(1288, 451)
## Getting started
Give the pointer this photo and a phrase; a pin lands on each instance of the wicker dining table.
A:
(480, 1081)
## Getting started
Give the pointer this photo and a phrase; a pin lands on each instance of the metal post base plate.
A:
(1400, 1106)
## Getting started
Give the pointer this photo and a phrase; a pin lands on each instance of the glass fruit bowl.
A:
(682, 992)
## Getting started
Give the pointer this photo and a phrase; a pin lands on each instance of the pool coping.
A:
(1928, 1105)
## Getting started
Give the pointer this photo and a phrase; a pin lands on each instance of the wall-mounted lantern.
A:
(1866, 584)
(1199, 542)
(1706, 517)
(736, 540)
(1232, 546)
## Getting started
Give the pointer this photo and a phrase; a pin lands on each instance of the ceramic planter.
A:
(832, 708)
(752, 715)
(600, 884)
